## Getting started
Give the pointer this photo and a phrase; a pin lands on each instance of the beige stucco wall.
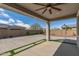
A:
(59, 32)
(4, 32)
(16, 32)
(7, 32)
(1, 34)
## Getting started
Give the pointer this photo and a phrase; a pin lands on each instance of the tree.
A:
(66, 28)
(36, 27)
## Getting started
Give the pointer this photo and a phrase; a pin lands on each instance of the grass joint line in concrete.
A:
(13, 51)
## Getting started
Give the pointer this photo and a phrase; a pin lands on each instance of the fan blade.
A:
(40, 8)
(57, 4)
(56, 8)
(44, 11)
(39, 4)
(50, 11)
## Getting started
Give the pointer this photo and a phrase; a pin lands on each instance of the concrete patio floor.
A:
(49, 48)
(11, 43)
(44, 49)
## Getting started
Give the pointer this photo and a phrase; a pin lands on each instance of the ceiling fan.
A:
(48, 7)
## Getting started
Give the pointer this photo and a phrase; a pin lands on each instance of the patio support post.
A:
(47, 30)
(78, 29)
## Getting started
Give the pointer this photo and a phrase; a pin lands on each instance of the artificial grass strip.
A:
(25, 47)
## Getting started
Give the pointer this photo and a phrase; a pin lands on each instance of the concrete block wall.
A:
(5, 33)
(62, 32)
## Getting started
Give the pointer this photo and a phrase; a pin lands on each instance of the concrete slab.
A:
(44, 49)
(11, 43)
(51, 49)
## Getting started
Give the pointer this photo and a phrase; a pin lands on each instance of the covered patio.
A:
(48, 12)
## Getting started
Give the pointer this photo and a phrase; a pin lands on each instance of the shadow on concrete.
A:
(67, 48)
(68, 41)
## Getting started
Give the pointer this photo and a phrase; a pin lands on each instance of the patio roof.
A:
(67, 10)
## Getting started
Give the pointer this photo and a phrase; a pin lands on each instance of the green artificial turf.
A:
(22, 48)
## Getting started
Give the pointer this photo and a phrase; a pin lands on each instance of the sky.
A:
(13, 18)
(59, 23)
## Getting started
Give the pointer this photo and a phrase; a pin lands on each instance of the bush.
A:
(33, 32)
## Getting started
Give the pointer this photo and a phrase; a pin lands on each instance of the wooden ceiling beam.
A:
(64, 17)
(23, 9)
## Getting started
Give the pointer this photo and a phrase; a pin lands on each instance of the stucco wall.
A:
(5, 32)
(59, 32)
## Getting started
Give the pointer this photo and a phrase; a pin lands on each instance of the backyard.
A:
(41, 47)
(43, 34)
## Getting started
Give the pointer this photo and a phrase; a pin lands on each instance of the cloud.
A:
(19, 21)
(3, 22)
(2, 10)
(10, 21)
(4, 15)
(22, 24)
